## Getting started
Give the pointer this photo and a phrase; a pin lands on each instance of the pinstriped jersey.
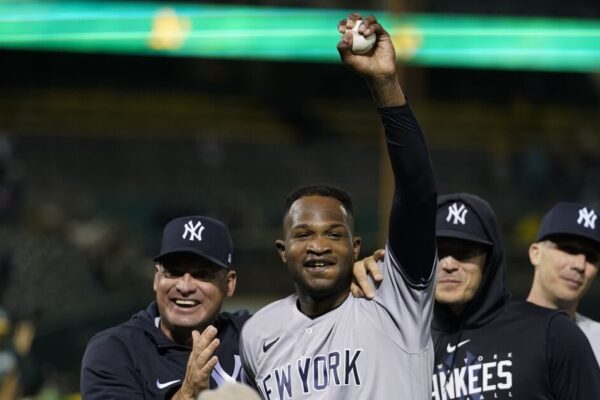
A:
(362, 350)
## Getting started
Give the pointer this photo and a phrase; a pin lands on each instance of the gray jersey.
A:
(378, 349)
(591, 329)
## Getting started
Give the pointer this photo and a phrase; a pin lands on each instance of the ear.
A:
(535, 254)
(231, 283)
(156, 276)
(280, 244)
(356, 244)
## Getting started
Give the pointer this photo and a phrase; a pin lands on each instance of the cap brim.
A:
(192, 251)
(578, 235)
(462, 235)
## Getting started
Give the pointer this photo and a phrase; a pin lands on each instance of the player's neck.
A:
(457, 308)
(538, 297)
(314, 307)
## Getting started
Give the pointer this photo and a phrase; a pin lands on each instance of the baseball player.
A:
(321, 343)
(566, 258)
(181, 344)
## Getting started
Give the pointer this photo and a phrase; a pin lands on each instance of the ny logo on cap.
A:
(195, 231)
(459, 214)
(587, 217)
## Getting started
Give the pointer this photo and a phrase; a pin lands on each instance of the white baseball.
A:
(361, 44)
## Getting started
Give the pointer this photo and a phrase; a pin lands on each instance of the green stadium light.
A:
(270, 33)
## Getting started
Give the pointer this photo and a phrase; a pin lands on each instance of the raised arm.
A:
(412, 217)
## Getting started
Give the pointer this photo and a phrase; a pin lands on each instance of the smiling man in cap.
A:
(566, 258)
(181, 343)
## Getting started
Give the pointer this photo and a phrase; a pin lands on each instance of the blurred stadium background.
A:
(117, 116)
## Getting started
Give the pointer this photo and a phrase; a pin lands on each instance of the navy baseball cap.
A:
(457, 220)
(203, 236)
(573, 219)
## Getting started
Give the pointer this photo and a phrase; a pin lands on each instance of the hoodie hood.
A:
(480, 226)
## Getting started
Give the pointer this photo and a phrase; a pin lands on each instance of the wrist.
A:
(386, 90)
(384, 80)
(181, 395)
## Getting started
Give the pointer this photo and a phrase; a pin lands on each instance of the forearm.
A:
(412, 217)
(386, 90)
(414, 183)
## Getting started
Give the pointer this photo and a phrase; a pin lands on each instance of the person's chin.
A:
(448, 298)
(570, 295)
(324, 289)
(449, 291)
(188, 321)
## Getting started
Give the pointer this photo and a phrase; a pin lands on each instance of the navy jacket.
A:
(135, 360)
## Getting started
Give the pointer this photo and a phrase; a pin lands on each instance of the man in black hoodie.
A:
(487, 346)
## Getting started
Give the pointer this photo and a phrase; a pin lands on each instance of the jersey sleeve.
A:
(248, 362)
(574, 372)
(410, 308)
(107, 371)
(407, 289)
(411, 237)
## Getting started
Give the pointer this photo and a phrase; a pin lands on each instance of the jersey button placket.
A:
(305, 346)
